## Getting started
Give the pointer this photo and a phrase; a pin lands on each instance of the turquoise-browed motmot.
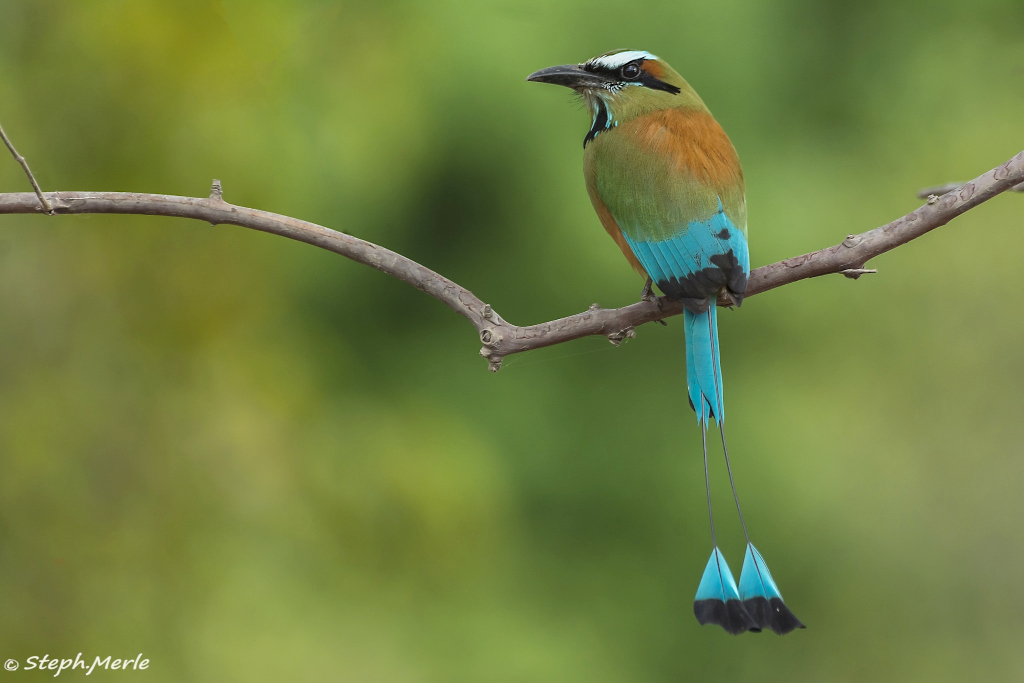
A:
(667, 186)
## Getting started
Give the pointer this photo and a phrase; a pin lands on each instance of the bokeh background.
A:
(252, 460)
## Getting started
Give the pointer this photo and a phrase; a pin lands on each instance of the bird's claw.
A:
(648, 295)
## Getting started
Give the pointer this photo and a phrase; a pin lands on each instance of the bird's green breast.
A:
(660, 171)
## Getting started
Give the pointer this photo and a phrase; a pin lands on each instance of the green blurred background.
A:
(253, 460)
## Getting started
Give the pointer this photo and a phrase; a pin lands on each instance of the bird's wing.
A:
(672, 183)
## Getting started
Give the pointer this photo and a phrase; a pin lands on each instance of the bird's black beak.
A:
(569, 75)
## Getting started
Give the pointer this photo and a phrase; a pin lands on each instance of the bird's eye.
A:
(631, 70)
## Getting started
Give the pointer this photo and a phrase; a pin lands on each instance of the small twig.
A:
(940, 190)
(854, 273)
(28, 171)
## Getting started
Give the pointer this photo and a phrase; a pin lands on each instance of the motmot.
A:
(666, 183)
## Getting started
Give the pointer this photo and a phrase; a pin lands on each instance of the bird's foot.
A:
(732, 300)
(648, 295)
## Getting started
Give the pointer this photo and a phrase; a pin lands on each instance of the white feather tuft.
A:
(614, 61)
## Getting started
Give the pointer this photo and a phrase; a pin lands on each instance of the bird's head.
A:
(622, 85)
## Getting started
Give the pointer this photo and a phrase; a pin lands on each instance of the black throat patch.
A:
(600, 123)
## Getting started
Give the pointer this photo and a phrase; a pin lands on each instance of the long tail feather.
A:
(718, 600)
(703, 369)
(761, 596)
(756, 604)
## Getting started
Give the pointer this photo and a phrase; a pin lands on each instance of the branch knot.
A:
(616, 338)
(490, 336)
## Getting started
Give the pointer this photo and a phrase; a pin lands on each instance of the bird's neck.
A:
(611, 109)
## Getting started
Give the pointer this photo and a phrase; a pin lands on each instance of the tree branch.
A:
(214, 210)
(499, 337)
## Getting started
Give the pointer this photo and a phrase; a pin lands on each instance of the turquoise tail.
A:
(703, 367)
(756, 604)
(718, 600)
(761, 596)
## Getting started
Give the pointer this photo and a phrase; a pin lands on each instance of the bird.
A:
(667, 185)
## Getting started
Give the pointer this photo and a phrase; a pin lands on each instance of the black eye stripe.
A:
(642, 78)
(653, 83)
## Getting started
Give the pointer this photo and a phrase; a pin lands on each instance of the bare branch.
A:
(500, 338)
(28, 171)
(215, 210)
(856, 250)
